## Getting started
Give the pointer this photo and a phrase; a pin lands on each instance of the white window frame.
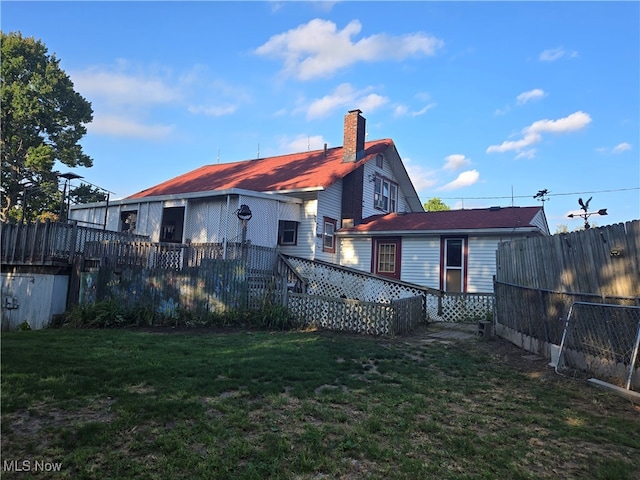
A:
(385, 194)
(287, 226)
(447, 267)
(329, 235)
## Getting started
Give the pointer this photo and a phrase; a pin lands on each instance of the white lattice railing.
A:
(326, 279)
(343, 314)
(466, 307)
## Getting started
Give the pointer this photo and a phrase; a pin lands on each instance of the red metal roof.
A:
(473, 219)
(297, 171)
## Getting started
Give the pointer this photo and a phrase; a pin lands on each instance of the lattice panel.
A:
(339, 282)
(334, 281)
(342, 314)
(466, 307)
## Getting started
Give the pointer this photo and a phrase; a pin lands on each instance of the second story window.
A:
(385, 194)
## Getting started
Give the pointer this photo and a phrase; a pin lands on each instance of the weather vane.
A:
(542, 196)
(585, 207)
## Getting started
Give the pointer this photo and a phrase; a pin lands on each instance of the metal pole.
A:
(244, 239)
(634, 356)
(106, 211)
(64, 194)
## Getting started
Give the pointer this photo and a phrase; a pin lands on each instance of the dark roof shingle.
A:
(472, 219)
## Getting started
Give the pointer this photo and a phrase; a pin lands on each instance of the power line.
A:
(548, 194)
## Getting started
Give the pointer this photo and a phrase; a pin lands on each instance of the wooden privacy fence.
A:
(49, 243)
(603, 261)
(343, 314)
(215, 286)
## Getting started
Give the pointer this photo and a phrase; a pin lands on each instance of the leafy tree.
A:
(43, 119)
(436, 205)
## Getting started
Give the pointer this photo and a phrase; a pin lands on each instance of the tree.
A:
(436, 205)
(43, 119)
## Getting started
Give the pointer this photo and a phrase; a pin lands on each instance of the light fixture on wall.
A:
(244, 213)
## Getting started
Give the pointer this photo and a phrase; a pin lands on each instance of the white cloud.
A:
(465, 179)
(301, 143)
(127, 127)
(124, 89)
(345, 96)
(553, 54)
(534, 94)
(403, 110)
(213, 110)
(319, 49)
(124, 94)
(421, 178)
(526, 154)
(456, 162)
(515, 145)
(622, 147)
(533, 133)
(571, 123)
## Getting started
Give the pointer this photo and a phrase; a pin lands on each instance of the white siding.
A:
(421, 261)
(355, 253)
(289, 211)
(206, 221)
(306, 246)
(262, 229)
(481, 264)
(329, 205)
(370, 170)
(154, 218)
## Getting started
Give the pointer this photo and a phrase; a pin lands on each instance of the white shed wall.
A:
(36, 296)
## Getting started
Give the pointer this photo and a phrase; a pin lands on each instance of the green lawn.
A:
(299, 405)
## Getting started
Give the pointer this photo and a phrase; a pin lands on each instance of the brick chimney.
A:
(354, 132)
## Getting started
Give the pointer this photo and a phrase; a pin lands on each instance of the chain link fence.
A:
(601, 340)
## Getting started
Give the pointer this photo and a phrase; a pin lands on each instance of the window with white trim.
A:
(453, 265)
(329, 235)
(287, 232)
(385, 194)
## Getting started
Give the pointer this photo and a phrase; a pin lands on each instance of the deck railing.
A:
(50, 243)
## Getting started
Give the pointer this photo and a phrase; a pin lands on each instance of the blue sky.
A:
(487, 103)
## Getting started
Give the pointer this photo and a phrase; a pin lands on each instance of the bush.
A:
(114, 314)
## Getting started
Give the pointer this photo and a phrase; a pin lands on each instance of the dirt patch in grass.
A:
(503, 352)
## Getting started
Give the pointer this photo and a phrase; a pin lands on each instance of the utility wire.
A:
(548, 194)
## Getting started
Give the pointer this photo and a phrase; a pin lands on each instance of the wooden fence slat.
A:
(576, 262)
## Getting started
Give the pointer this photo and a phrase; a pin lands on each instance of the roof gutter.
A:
(459, 231)
(193, 195)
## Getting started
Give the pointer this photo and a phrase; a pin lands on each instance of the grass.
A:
(297, 405)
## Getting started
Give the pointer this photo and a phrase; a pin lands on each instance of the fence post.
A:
(634, 356)
(72, 242)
